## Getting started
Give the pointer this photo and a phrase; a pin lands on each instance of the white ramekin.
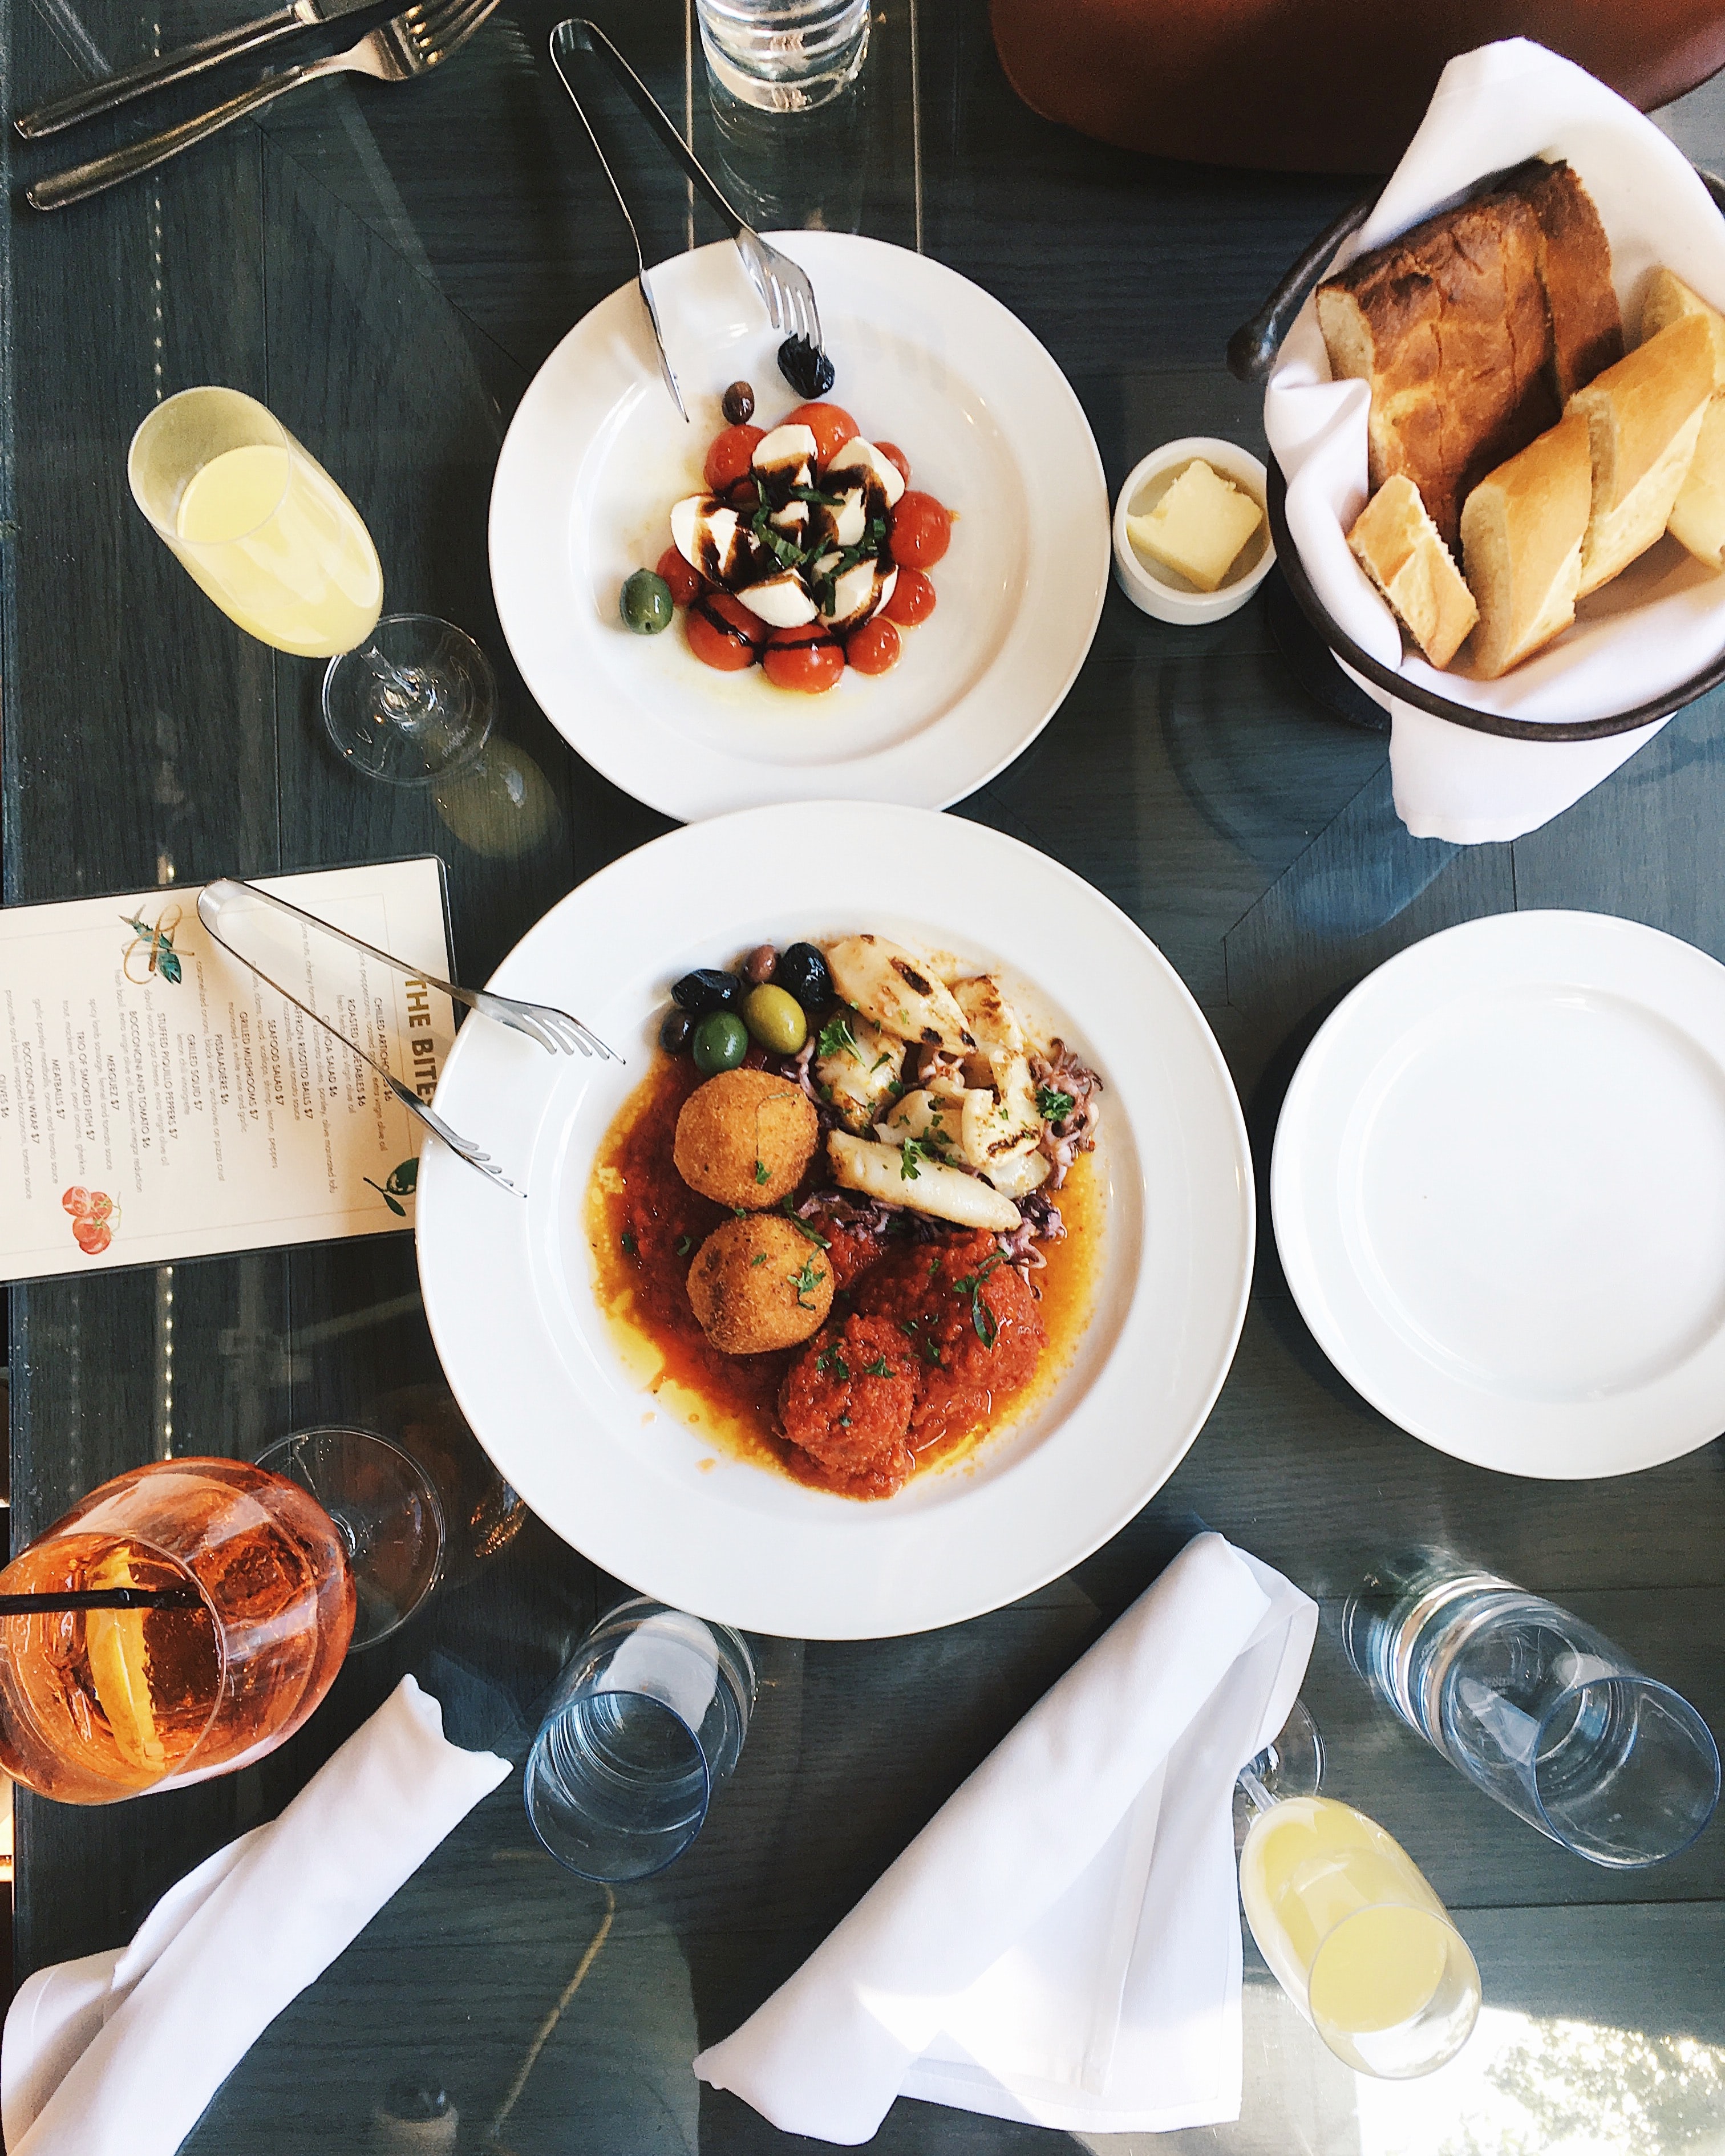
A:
(1135, 576)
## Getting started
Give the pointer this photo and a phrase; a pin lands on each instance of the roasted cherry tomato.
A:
(685, 581)
(728, 460)
(873, 648)
(919, 530)
(832, 424)
(912, 599)
(723, 633)
(809, 658)
(894, 455)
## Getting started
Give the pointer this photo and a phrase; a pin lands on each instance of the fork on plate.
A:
(785, 288)
(420, 38)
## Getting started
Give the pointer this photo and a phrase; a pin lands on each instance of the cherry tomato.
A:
(833, 425)
(894, 455)
(93, 1236)
(100, 1205)
(873, 648)
(723, 633)
(745, 495)
(76, 1201)
(728, 460)
(809, 658)
(919, 531)
(685, 581)
(912, 599)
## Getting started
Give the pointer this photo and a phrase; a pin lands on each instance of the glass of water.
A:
(645, 1723)
(783, 55)
(1540, 1710)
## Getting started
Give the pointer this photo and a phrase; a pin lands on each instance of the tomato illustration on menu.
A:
(94, 1217)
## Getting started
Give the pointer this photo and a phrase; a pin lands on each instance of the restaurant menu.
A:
(158, 1101)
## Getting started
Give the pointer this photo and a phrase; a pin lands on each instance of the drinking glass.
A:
(100, 1704)
(1349, 1926)
(783, 55)
(645, 1723)
(1539, 1709)
(386, 1509)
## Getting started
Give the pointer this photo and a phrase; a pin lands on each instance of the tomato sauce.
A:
(644, 1225)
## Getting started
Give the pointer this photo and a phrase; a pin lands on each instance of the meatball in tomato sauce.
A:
(972, 1320)
(847, 1402)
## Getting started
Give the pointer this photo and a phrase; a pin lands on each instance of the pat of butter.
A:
(1198, 526)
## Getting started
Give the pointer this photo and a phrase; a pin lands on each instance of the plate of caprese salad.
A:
(883, 592)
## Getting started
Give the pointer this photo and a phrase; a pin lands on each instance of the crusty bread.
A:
(1643, 416)
(1698, 520)
(1449, 325)
(1668, 300)
(1576, 272)
(1398, 545)
(1522, 532)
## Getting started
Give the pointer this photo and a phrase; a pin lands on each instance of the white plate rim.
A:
(608, 355)
(1508, 1436)
(475, 1306)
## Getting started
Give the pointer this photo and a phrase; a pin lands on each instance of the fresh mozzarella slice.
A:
(704, 530)
(859, 594)
(781, 601)
(792, 518)
(857, 454)
(785, 446)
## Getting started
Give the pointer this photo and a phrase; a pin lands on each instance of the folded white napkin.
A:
(118, 2054)
(1060, 1943)
(1654, 626)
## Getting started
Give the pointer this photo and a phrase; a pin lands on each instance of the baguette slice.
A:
(1575, 270)
(1669, 299)
(1698, 520)
(1643, 416)
(1522, 533)
(1399, 548)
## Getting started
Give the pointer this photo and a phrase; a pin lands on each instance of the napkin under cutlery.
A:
(118, 2054)
(1492, 109)
(1061, 1942)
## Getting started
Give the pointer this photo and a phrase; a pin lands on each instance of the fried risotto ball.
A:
(846, 1401)
(745, 1138)
(756, 1284)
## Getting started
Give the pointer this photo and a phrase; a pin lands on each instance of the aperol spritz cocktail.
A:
(100, 1704)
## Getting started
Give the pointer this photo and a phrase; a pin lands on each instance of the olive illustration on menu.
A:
(159, 1099)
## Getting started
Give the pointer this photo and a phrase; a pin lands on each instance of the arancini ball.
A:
(746, 1137)
(757, 1284)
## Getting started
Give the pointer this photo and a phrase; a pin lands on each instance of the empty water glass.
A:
(783, 55)
(645, 1723)
(1539, 1709)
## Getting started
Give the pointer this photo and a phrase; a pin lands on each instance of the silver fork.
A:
(555, 1032)
(785, 288)
(411, 43)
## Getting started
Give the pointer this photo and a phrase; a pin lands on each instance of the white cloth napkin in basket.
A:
(1061, 1941)
(1657, 623)
(118, 2054)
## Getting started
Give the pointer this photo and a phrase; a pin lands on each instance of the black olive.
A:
(805, 367)
(706, 990)
(738, 404)
(803, 971)
(673, 1033)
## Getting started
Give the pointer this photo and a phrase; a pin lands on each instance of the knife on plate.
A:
(164, 68)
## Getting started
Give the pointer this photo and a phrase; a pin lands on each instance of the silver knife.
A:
(155, 74)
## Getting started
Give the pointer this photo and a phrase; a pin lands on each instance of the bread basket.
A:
(1252, 353)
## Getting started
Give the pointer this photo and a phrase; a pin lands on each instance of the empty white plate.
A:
(1498, 1190)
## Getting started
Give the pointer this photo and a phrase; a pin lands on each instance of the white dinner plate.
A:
(1498, 1190)
(508, 1285)
(596, 455)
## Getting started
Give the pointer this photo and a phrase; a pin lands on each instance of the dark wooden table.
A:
(388, 269)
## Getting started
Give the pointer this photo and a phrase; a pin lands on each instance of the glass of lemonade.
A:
(100, 1704)
(1356, 1937)
(257, 522)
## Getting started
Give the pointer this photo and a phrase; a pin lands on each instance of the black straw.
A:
(100, 1598)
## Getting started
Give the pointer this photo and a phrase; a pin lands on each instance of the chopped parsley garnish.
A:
(836, 1038)
(896, 1087)
(628, 1240)
(844, 1422)
(880, 1367)
(801, 1225)
(829, 1359)
(685, 1244)
(934, 1268)
(1053, 1106)
(987, 1325)
(760, 1170)
(909, 1153)
(806, 1282)
(925, 1348)
(760, 1260)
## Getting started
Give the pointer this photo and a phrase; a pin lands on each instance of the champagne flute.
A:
(263, 529)
(1349, 1925)
(98, 1704)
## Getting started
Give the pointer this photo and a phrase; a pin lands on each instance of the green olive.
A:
(721, 1042)
(776, 1018)
(646, 604)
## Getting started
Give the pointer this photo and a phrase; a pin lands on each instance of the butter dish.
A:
(1163, 592)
